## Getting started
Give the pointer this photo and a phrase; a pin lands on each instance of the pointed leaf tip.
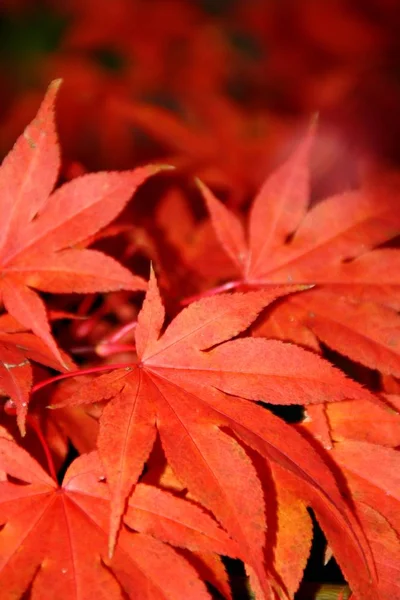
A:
(203, 188)
(228, 228)
(21, 418)
(118, 506)
(150, 319)
(156, 168)
(51, 93)
(55, 84)
(111, 546)
(198, 181)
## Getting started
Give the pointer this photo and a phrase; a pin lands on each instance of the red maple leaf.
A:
(16, 352)
(376, 497)
(53, 540)
(42, 235)
(352, 307)
(362, 420)
(366, 437)
(193, 386)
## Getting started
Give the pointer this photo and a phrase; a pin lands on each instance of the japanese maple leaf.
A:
(287, 519)
(53, 540)
(352, 307)
(363, 420)
(194, 387)
(365, 435)
(385, 545)
(293, 524)
(41, 234)
(376, 497)
(16, 352)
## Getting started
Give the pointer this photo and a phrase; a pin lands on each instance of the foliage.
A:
(180, 462)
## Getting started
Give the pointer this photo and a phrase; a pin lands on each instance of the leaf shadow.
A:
(268, 486)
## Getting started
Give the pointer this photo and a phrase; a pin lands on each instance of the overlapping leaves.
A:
(53, 540)
(190, 385)
(42, 241)
(196, 386)
(335, 247)
(42, 235)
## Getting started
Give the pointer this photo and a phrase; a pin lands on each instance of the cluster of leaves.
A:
(179, 461)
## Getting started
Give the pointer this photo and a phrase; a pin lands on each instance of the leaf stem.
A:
(34, 423)
(120, 333)
(225, 287)
(108, 349)
(79, 372)
(82, 350)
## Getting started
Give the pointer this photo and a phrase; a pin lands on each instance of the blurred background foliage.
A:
(223, 88)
